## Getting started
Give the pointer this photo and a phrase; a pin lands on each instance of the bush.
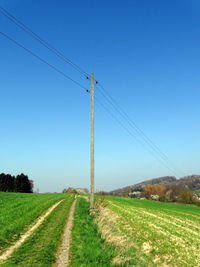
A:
(186, 196)
(159, 190)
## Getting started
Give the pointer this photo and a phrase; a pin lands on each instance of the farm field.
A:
(18, 211)
(121, 231)
(150, 233)
(40, 249)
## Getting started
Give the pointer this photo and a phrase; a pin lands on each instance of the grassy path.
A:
(88, 249)
(63, 252)
(40, 249)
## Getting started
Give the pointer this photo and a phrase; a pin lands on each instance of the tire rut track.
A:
(63, 252)
(9, 251)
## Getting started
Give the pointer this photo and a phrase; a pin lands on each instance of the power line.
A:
(134, 126)
(42, 41)
(103, 91)
(66, 76)
(132, 135)
(42, 60)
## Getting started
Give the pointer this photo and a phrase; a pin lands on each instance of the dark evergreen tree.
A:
(10, 183)
(7, 182)
(2, 182)
(20, 183)
(23, 184)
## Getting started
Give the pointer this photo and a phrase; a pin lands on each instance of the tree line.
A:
(19, 183)
(171, 193)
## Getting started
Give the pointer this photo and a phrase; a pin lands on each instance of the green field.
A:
(18, 211)
(88, 248)
(121, 231)
(40, 249)
(150, 233)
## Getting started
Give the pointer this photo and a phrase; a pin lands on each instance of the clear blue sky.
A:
(145, 53)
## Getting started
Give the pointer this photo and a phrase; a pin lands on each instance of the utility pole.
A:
(92, 141)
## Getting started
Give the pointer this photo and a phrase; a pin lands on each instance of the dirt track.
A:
(38, 222)
(63, 252)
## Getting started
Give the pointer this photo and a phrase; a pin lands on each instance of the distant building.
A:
(82, 190)
(154, 197)
(197, 196)
(135, 194)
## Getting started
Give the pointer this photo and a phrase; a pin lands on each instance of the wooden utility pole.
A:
(92, 141)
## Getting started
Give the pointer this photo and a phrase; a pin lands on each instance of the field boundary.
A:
(63, 252)
(6, 254)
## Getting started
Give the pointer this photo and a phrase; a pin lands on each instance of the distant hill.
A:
(189, 182)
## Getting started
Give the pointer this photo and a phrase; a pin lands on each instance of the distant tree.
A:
(186, 196)
(10, 183)
(2, 182)
(156, 189)
(23, 184)
(172, 193)
(7, 182)
(70, 190)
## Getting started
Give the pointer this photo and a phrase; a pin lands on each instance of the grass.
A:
(40, 249)
(123, 231)
(88, 248)
(18, 211)
(155, 233)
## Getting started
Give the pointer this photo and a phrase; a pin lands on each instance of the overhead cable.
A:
(42, 60)
(133, 135)
(136, 128)
(41, 40)
(102, 90)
